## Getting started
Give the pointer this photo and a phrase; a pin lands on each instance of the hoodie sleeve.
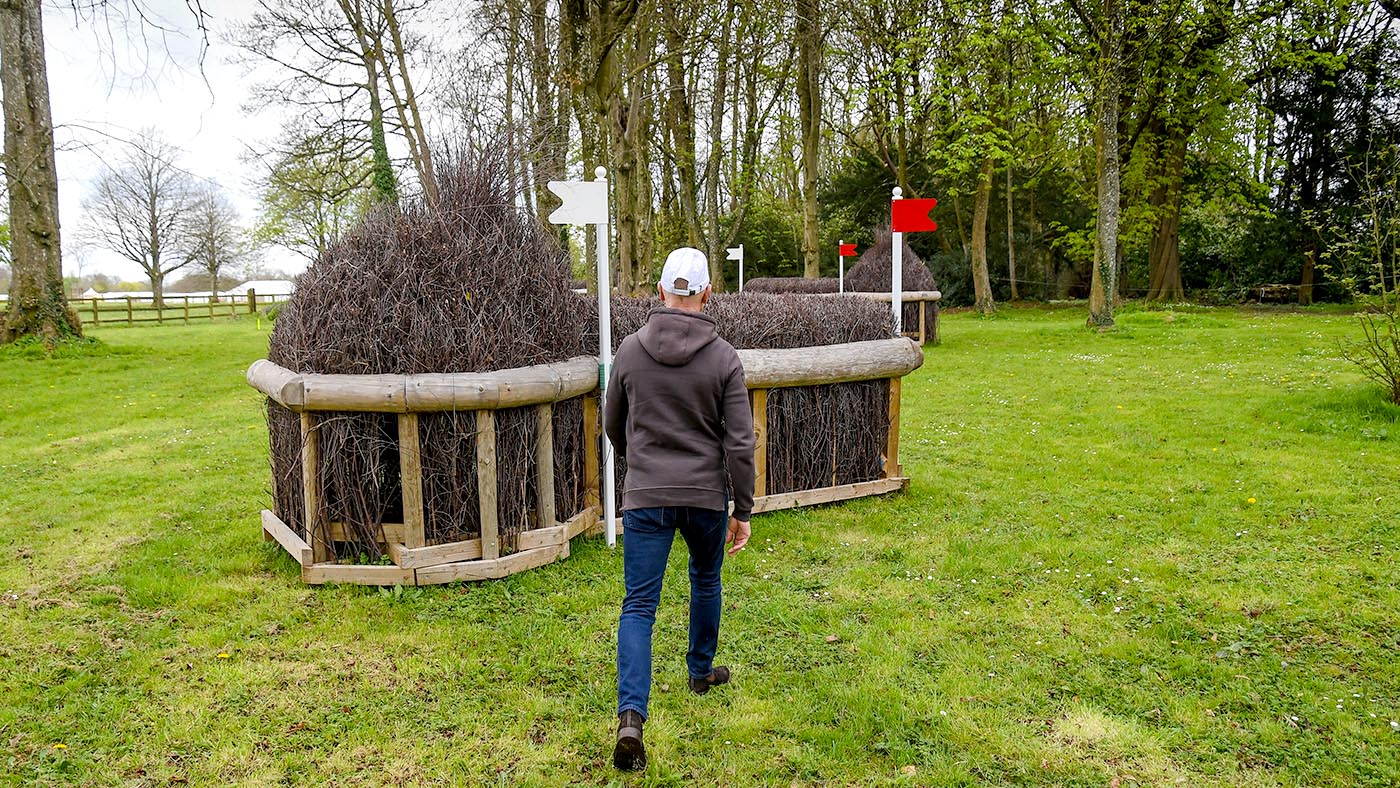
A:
(615, 407)
(739, 440)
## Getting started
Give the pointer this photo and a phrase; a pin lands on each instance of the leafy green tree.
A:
(311, 195)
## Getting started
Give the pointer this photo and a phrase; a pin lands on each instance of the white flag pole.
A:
(897, 272)
(605, 365)
(585, 203)
(741, 268)
(840, 267)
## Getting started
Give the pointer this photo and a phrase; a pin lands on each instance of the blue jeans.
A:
(646, 536)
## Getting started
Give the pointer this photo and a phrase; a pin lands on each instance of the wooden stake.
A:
(544, 465)
(411, 480)
(923, 319)
(486, 483)
(760, 441)
(310, 459)
(275, 529)
(590, 452)
(892, 469)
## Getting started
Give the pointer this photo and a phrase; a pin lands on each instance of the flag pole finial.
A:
(601, 172)
(898, 192)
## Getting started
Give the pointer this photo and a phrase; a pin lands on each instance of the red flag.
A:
(911, 216)
(847, 250)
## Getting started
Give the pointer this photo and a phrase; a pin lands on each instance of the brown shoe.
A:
(718, 676)
(630, 754)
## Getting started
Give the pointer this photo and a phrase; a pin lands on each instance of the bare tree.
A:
(809, 69)
(345, 68)
(213, 237)
(312, 192)
(37, 303)
(141, 208)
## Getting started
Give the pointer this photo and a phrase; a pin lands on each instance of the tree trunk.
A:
(1305, 284)
(722, 65)
(1010, 235)
(547, 119)
(627, 128)
(384, 185)
(981, 280)
(1103, 286)
(680, 122)
(413, 121)
(37, 304)
(1164, 256)
(512, 74)
(1038, 245)
(957, 221)
(809, 109)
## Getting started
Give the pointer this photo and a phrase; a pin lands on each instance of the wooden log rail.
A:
(417, 563)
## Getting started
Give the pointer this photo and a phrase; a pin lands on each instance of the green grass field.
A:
(1162, 556)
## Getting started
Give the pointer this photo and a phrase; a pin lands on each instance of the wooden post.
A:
(210, 304)
(96, 315)
(187, 310)
(590, 452)
(923, 316)
(892, 468)
(411, 481)
(544, 465)
(252, 301)
(316, 532)
(130, 320)
(486, 484)
(760, 441)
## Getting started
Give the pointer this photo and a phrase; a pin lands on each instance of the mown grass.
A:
(1164, 555)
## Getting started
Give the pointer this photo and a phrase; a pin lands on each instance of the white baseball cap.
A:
(686, 272)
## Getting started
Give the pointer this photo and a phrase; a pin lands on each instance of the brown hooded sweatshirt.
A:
(678, 413)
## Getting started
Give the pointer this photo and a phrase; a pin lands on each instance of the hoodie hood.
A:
(673, 336)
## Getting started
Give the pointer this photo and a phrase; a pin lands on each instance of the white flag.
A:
(585, 202)
(737, 253)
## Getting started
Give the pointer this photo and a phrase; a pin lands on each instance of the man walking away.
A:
(678, 412)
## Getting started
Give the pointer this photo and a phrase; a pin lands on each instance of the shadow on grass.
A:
(1359, 411)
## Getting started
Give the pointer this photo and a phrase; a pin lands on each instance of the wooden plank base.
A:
(448, 563)
(792, 500)
(844, 492)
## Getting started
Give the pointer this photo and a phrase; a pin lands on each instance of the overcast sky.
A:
(109, 79)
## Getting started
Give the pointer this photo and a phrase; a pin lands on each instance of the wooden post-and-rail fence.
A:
(417, 563)
(133, 310)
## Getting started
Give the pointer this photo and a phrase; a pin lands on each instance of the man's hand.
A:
(738, 535)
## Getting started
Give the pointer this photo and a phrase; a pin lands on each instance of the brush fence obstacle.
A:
(415, 562)
(926, 302)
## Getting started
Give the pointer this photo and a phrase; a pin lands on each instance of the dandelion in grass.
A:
(223, 655)
(62, 746)
(1252, 501)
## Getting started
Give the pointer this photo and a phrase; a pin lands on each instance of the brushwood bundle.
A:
(871, 274)
(473, 285)
(792, 284)
(468, 285)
